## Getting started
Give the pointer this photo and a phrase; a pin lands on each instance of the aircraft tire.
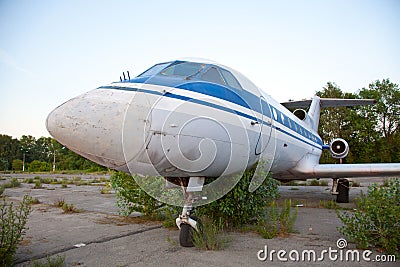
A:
(343, 191)
(186, 235)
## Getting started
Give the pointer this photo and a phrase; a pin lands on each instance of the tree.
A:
(386, 111)
(334, 122)
(28, 147)
(385, 118)
(9, 150)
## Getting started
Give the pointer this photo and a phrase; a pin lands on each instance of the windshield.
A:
(154, 70)
(185, 69)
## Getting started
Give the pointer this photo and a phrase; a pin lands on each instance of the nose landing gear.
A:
(186, 223)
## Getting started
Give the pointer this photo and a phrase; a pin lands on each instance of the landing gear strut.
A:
(341, 188)
(186, 223)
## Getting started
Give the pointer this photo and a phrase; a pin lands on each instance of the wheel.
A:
(186, 235)
(343, 191)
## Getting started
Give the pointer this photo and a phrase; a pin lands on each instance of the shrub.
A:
(239, 206)
(29, 181)
(277, 221)
(376, 219)
(132, 198)
(38, 185)
(17, 165)
(314, 182)
(236, 208)
(12, 227)
(39, 166)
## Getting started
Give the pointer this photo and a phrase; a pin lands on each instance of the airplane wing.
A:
(343, 171)
(330, 102)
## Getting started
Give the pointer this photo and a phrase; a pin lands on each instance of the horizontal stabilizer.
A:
(347, 170)
(330, 102)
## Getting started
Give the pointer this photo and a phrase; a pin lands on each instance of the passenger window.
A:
(230, 79)
(213, 75)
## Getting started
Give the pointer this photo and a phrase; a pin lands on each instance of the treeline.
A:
(40, 155)
(371, 131)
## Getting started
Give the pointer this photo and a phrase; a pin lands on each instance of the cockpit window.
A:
(185, 69)
(230, 79)
(213, 75)
(154, 70)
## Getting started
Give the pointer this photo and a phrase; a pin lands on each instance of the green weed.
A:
(277, 221)
(210, 235)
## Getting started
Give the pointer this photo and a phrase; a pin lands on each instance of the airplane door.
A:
(265, 148)
(265, 127)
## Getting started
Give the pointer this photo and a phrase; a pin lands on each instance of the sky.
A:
(52, 51)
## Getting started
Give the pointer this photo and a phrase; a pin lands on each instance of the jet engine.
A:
(339, 148)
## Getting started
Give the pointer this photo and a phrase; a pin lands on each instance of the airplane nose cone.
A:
(91, 125)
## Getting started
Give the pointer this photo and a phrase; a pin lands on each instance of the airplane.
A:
(196, 121)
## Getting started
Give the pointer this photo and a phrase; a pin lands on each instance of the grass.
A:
(50, 262)
(67, 208)
(35, 201)
(70, 208)
(210, 235)
(105, 190)
(328, 204)
(14, 182)
(278, 221)
(59, 203)
(315, 182)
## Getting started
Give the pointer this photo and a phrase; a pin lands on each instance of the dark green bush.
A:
(39, 166)
(376, 221)
(239, 206)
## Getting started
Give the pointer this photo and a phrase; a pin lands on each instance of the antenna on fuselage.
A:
(120, 79)
(124, 75)
(129, 77)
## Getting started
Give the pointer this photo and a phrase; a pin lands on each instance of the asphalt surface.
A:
(98, 236)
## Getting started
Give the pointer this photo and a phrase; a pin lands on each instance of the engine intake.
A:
(339, 148)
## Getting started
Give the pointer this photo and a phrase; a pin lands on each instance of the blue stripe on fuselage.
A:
(205, 103)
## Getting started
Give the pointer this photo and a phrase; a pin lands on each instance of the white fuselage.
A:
(151, 129)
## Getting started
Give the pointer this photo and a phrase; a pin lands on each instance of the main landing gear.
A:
(341, 188)
(186, 223)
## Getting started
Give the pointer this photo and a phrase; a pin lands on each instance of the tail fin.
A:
(317, 103)
(314, 111)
